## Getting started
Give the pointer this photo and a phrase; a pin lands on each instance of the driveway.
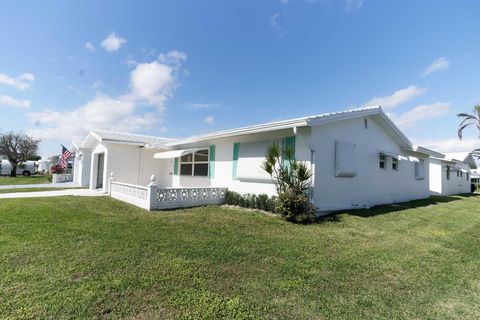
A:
(59, 193)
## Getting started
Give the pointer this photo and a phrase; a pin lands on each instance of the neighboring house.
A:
(359, 158)
(450, 173)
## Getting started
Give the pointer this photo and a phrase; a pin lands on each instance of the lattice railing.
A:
(153, 197)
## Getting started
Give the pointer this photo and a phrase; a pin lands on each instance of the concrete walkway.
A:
(40, 185)
(60, 193)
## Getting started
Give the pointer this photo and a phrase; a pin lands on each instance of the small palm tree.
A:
(469, 120)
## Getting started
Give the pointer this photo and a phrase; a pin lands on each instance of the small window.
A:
(461, 174)
(382, 161)
(394, 164)
(365, 123)
(194, 164)
(448, 172)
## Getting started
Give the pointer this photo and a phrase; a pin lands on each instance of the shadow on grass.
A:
(392, 208)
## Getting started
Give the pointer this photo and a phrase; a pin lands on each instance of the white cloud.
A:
(449, 145)
(353, 4)
(22, 82)
(202, 106)
(276, 25)
(397, 98)
(102, 112)
(112, 42)
(151, 84)
(439, 64)
(173, 57)
(89, 46)
(12, 102)
(420, 113)
(209, 120)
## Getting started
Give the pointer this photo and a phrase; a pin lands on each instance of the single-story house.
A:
(359, 158)
(450, 173)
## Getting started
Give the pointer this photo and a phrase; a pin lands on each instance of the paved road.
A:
(60, 193)
(40, 185)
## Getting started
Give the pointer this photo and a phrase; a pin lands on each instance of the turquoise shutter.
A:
(236, 149)
(288, 142)
(211, 163)
(175, 167)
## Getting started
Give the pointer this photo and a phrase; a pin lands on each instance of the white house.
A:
(359, 159)
(451, 173)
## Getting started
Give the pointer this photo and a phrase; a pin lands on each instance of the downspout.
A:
(139, 164)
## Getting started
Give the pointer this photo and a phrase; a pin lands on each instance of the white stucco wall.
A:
(223, 175)
(440, 185)
(371, 185)
(435, 169)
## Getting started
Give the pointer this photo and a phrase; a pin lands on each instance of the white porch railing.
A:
(152, 197)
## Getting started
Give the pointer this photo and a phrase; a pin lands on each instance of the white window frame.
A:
(395, 161)
(193, 163)
(384, 161)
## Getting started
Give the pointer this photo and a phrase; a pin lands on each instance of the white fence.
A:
(58, 178)
(152, 197)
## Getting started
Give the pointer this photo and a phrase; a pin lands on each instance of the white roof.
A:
(121, 137)
(158, 142)
(465, 157)
(302, 122)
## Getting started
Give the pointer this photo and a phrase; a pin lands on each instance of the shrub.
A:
(57, 169)
(292, 181)
(261, 202)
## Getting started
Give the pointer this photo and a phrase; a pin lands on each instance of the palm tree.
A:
(469, 120)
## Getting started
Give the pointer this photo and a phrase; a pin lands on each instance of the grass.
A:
(23, 180)
(17, 190)
(98, 258)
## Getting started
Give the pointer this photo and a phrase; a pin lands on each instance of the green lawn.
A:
(23, 180)
(75, 257)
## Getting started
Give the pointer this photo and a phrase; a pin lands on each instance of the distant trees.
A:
(18, 147)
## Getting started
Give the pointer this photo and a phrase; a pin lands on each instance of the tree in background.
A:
(292, 181)
(469, 119)
(472, 119)
(17, 148)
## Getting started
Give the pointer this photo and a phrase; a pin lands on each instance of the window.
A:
(394, 164)
(420, 173)
(461, 174)
(448, 172)
(365, 123)
(194, 164)
(382, 161)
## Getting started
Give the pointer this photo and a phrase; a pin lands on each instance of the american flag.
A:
(64, 158)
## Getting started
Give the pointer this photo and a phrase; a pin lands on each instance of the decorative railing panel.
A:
(152, 197)
(136, 195)
(169, 198)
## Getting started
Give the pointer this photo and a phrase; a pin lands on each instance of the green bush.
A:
(292, 180)
(261, 202)
(295, 207)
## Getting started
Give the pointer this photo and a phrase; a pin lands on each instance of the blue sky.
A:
(178, 68)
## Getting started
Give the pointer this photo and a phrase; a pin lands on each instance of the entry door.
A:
(101, 157)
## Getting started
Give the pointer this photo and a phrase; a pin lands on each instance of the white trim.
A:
(175, 153)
